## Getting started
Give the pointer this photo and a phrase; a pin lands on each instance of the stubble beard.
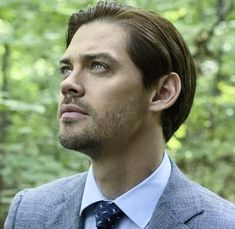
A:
(76, 136)
(85, 140)
(93, 137)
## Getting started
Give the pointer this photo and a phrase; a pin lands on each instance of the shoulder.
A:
(217, 212)
(35, 204)
(53, 191)
(194, 205)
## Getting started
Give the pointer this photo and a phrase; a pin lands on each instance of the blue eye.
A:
(65, 71)
(99, 67)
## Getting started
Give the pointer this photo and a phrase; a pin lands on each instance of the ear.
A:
(165, 93)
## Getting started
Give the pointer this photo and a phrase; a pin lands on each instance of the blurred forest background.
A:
(32, 35)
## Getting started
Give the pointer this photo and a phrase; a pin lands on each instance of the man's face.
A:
(103, 101)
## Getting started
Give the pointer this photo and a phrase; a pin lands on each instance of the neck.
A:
(122, 168)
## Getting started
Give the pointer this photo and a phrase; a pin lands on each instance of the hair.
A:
(155, 47)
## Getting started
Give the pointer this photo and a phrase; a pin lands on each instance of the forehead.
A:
(99, 36)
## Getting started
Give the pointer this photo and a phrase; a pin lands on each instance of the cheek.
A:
(121, 93)
(115, 101)
(109, 100)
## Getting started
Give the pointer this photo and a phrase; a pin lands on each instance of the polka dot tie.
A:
(107, 215)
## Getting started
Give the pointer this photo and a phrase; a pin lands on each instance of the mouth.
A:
(71, 112)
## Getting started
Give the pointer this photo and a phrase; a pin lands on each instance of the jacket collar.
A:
(177, 204)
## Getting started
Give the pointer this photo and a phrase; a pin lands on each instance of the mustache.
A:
(73, 100)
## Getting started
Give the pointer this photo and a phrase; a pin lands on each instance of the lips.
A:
(71, 111)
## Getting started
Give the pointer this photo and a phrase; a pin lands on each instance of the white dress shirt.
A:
(138, 203)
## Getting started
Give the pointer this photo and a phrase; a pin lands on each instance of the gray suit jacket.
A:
(183, 205)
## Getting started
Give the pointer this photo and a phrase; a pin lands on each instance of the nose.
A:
(71, 85)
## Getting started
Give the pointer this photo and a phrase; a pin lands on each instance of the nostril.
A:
(72, 91)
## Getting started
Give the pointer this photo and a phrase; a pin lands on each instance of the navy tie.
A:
(107, 214)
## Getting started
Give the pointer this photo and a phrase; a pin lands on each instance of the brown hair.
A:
(155, 47)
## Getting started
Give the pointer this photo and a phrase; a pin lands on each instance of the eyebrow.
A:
(91, 56)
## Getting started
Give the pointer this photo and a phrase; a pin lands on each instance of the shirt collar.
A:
(92, 193)
(139, 202)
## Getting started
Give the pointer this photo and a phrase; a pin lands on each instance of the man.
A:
(128, 82)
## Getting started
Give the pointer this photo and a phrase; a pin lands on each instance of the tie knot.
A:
(107, 214)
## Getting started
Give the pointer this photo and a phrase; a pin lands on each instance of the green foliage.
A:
(31, 42)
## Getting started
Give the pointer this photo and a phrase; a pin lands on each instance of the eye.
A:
(65, 71)
(99, 67)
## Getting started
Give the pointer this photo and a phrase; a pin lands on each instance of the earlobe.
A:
(165, 93)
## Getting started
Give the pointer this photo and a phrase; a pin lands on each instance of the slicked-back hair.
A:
(155, 47)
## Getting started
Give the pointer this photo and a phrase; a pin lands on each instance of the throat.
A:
(116, 177)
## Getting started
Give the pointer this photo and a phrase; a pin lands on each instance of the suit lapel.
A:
(177, 204)
(65, 212)
(162, 219)
(73, 199)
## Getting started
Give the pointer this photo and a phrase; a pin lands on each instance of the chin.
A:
(81, 143)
